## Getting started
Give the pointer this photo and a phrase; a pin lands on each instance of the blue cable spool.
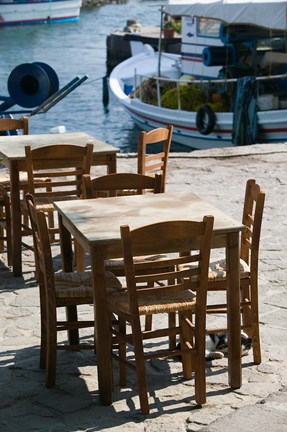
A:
(30, 84)
(219, 56)
(53, 77)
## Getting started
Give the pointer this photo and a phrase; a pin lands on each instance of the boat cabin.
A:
(229, 39)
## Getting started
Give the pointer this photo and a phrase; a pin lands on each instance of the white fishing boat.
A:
(228, 86)
(15, 12)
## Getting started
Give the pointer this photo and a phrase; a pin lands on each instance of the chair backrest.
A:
(42, 249)
(174, 272)
(252, 219)
(9, 124)
(120, 184)
(62, 165)
(148, 163)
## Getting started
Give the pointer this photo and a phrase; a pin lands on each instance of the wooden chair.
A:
(9, 125)
(164, 288)
(120, 184)
(149, 164)
(58, 290)
(5, 224)
(55, 173)
(249, 256)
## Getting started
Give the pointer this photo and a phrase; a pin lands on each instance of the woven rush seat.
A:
(116, 265)
(154, 304)
(80, 284)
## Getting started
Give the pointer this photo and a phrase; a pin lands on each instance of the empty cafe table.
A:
(12, 150)
(95, 224)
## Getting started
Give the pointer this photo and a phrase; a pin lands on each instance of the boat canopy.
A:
(268, 14)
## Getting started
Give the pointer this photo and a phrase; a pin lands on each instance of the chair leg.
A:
(255, 324)
(122, 354)
(140, 367)
(199, 361)
(51, 358)
(199, 370)
(1, 230)
(246, 309)
(250, 317)
(172, 323)
(185, 320)
(79, 254)
(43, 345)
(51, 225)
(9, 237)
(73, 334)
(200, 381)
(148, 322)
(6, 229)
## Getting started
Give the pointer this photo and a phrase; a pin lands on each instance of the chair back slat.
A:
(42, 248)
(252, 219)
(63, 165)
(11, 124)
(147, 140)
(120, 184)
(174, 237)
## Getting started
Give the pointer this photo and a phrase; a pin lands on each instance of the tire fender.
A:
(205, 119)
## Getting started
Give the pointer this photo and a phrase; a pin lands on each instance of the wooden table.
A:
(96, 225)
(13, 153)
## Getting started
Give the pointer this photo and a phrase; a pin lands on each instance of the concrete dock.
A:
(119, 42)
(26, 405)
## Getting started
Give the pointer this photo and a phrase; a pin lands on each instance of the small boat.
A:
(15, 12)
(228, 86)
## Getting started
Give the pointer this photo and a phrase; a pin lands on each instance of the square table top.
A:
(97, 221)
(13, 147)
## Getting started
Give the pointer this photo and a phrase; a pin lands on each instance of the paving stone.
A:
(26, 405)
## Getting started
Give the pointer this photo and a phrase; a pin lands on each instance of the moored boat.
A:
(228, 86)
(15, 12)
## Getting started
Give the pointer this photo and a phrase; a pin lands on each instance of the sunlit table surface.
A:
(95, 224)
(12, 151)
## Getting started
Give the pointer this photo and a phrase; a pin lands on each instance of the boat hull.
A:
(39, 12)
(271, 123)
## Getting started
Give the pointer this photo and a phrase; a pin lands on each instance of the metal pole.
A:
(160, 38)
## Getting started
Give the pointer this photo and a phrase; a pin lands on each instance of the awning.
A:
(272, 15)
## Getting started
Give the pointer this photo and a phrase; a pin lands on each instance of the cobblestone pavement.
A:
(26, 405)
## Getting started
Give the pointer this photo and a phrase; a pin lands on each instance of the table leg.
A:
(102, 332)
(66, 247)
(233, 311)
(16, 217)
(112, 164)
(67, 266)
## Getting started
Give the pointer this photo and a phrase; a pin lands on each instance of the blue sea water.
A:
(73, 49)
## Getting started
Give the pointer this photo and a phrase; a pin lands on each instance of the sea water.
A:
(78, 49)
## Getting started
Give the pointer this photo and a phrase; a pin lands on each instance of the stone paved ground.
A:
(73, 405)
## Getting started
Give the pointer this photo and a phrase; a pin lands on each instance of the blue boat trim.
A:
(41, 21)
